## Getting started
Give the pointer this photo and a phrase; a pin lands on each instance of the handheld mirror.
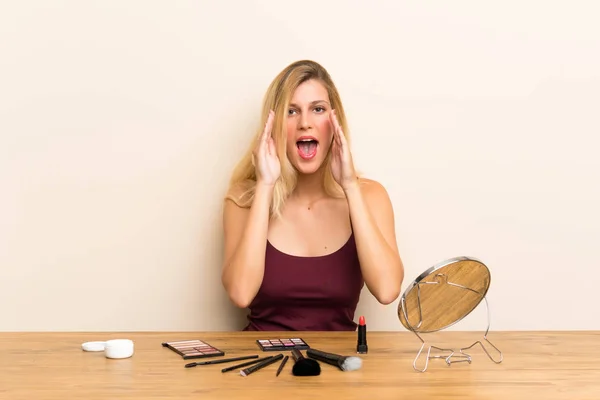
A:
(442, 296)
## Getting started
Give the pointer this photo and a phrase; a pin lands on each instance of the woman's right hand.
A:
(264, 156)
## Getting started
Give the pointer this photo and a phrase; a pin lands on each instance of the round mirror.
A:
(444, 294)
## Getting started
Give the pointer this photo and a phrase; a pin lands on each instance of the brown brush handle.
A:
(297, 355)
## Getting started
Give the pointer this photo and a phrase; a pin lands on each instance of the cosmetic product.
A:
(193, 349)
(258, 360)
(304, 366)
(282, 365)
(115, 348)
(344, 363)
(282, 344)
(118, 348)
(361, 344)
(93, 346)
(260, 365)
(220, 361)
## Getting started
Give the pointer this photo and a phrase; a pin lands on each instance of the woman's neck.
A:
(309, 188)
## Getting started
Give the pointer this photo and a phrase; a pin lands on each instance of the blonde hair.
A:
(277, 98)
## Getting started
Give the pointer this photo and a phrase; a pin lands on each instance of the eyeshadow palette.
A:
(193, 349)
(282, 344)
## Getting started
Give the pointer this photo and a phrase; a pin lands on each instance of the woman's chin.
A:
(308, 167)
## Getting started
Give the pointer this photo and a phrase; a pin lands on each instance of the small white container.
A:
(118, 348)
(93, 346)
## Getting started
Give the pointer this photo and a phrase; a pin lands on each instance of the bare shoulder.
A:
(375, 194)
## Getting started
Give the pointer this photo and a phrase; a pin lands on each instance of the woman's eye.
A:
(290, 112)
(319, 109)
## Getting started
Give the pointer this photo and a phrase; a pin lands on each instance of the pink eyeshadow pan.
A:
(284, 344)
(193, 349)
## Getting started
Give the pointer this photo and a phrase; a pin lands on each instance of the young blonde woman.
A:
(303, 233)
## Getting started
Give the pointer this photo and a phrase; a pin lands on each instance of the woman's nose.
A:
(305, 121)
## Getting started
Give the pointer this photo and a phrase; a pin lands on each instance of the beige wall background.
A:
(120, 122)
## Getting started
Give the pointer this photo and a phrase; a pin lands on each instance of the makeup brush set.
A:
(303, 366)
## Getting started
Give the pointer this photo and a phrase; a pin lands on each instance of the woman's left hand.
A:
(341, 164)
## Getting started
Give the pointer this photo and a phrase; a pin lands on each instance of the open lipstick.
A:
(361, 345)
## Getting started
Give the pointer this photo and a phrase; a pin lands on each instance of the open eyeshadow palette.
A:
(282, 344)
(193, 349)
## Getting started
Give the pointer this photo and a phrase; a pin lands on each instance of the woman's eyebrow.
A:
(311, 103)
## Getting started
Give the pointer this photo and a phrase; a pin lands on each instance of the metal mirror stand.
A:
(452, 356)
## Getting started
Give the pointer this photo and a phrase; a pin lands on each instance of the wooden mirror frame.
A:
(442, 296)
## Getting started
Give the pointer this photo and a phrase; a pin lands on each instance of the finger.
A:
(341, 136)
(270, 146)
(334, 121)
(261, 140)
(336, 128)
(268, 125)
(338, 141)
(335, 148)
(343, 141)
(333, 125)
(258, 148)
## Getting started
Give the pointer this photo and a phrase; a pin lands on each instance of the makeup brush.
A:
(219, 361)
(285, 359)
(256, 361)
(344, 363)
(304, 366)
(260, 365)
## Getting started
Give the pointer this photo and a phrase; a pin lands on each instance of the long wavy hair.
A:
(277, 98)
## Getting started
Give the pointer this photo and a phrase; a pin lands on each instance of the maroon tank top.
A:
(308, 293)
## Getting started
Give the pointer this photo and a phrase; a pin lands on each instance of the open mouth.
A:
(307, 147)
